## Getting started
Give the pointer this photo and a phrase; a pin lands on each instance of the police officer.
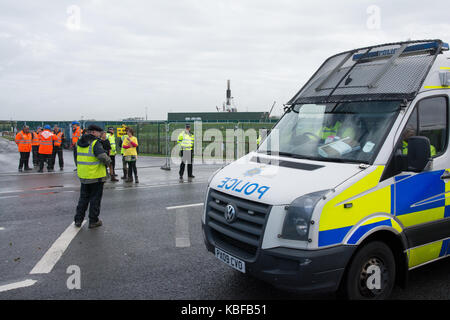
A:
(186, 141)
(112, 154)
(262, 135)
(408, 133)
(92, 161)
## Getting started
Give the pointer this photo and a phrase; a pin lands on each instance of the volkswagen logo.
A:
(230, 213)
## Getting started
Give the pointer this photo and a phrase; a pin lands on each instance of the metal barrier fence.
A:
(159, 137)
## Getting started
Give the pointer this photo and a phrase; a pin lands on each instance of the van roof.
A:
(393, 71)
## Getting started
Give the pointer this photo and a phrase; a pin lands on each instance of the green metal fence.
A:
(159, 137)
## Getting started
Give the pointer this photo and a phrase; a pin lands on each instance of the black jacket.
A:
(106, 145)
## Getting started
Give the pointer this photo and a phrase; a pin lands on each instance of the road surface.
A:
(150, 246)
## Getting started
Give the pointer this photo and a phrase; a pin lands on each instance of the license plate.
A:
(230, 260)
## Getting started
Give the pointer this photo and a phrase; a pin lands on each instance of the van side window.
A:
(429, 119)
(433, 122)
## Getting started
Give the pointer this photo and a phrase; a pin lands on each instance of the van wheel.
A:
(371, 273)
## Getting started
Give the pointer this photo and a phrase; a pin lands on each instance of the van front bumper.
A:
(302, 271)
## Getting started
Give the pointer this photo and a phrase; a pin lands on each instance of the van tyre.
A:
(370, 274)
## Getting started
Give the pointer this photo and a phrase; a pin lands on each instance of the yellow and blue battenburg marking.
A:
(411, 200)
(420, 198)
(337, 221)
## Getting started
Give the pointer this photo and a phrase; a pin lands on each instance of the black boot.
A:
(95, 224)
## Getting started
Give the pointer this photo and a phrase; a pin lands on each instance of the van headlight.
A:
(298, 216)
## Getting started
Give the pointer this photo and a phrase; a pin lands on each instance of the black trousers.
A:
(23, 162)
(113, 161)
(186, 158)
(90, 195)
(132, 169)
(57, 151)
(75, 155)
(45, 158)
(35, 150)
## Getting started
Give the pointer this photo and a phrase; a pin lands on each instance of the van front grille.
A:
(243, 236)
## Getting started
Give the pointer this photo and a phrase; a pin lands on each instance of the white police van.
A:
(350, 190)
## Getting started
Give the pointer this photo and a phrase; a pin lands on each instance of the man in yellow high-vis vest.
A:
(112, 154)
(186, 141)
(92, 161)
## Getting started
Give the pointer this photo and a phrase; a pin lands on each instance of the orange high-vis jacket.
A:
(46, 139)
(76, 135)
(35, 139)
(58, 140)
(23, 141)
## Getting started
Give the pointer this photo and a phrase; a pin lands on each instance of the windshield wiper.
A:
(297, 156)
(283, 154)
(338, 160)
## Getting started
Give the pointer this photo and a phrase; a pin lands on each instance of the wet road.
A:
(147, 249)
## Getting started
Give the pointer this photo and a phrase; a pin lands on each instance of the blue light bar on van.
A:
(389, 52)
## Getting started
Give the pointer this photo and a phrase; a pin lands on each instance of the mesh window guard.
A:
(392, 71)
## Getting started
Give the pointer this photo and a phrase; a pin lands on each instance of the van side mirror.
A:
(418, 153)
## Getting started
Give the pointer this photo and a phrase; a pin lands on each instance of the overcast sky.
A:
(110, 59)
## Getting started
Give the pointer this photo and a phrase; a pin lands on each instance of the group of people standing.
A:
(128, 146)
(44, 144)
(94, 151)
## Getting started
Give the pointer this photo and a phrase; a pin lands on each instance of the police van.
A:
(350, 190)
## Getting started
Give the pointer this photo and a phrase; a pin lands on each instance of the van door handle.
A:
(445, 176)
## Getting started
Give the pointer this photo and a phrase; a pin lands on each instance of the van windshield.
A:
(342, 132)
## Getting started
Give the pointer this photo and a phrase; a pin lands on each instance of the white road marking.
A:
(16, 285)
(1, 228)
(182, 229)
(51, 257)
(11, 191)
(7, 197)
(182, 238)
(185, 206)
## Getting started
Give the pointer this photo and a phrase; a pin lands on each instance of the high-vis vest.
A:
(325, 132)
(35, 140)
(23, 141)
(123, 139)
(46, 139)
(88, 166)
(112, 142)
(405, 149)
(186, 140)
(58, 140)
(76, 135)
